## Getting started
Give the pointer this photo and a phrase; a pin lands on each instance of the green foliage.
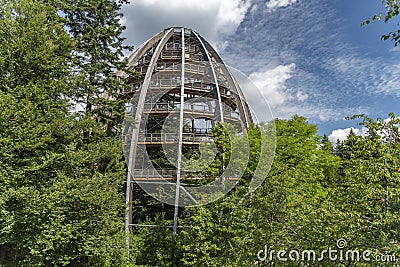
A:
(391, 11)
(292, 209)
(314, 195)
(369, 185)
(61, 172)
(95, 26)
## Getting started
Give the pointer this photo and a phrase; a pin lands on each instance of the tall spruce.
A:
(368, 191)
(34, 124)
(96, 27)
(62, 168)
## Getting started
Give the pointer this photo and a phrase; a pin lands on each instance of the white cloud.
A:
(286, 102)
(271, 83)
(395, 49)
(342, 134)
(230, 14)
(213, 19)
(369, 75)
(273, 4)
(388, 120)
(311, 111)
(300, 95)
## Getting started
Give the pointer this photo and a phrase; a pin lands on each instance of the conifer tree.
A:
(62, 170)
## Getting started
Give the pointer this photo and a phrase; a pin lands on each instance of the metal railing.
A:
(144, 174)
(153, 173)
(190, 84)
(189, 67)
(199, 136)
(199, 109)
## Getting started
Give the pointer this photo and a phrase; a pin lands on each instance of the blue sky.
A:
(308, 57)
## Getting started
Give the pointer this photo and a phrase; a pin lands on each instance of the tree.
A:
(392, 10)
(62, 172)
(95, 26)
(34, 54)
(368, 190)
(293, 208)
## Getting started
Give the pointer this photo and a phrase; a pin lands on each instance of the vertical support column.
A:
(135, 135)
(178, 165)
(240, 100)
(217, 94)
(128, 214)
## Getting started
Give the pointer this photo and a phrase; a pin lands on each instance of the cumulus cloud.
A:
(273, 4)
(213, 19)
(271, 83)
(284, 101)
(342, 134)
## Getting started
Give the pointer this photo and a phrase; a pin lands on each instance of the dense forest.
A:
(62, 169)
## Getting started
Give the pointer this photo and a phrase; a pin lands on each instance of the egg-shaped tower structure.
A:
(179, 89)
